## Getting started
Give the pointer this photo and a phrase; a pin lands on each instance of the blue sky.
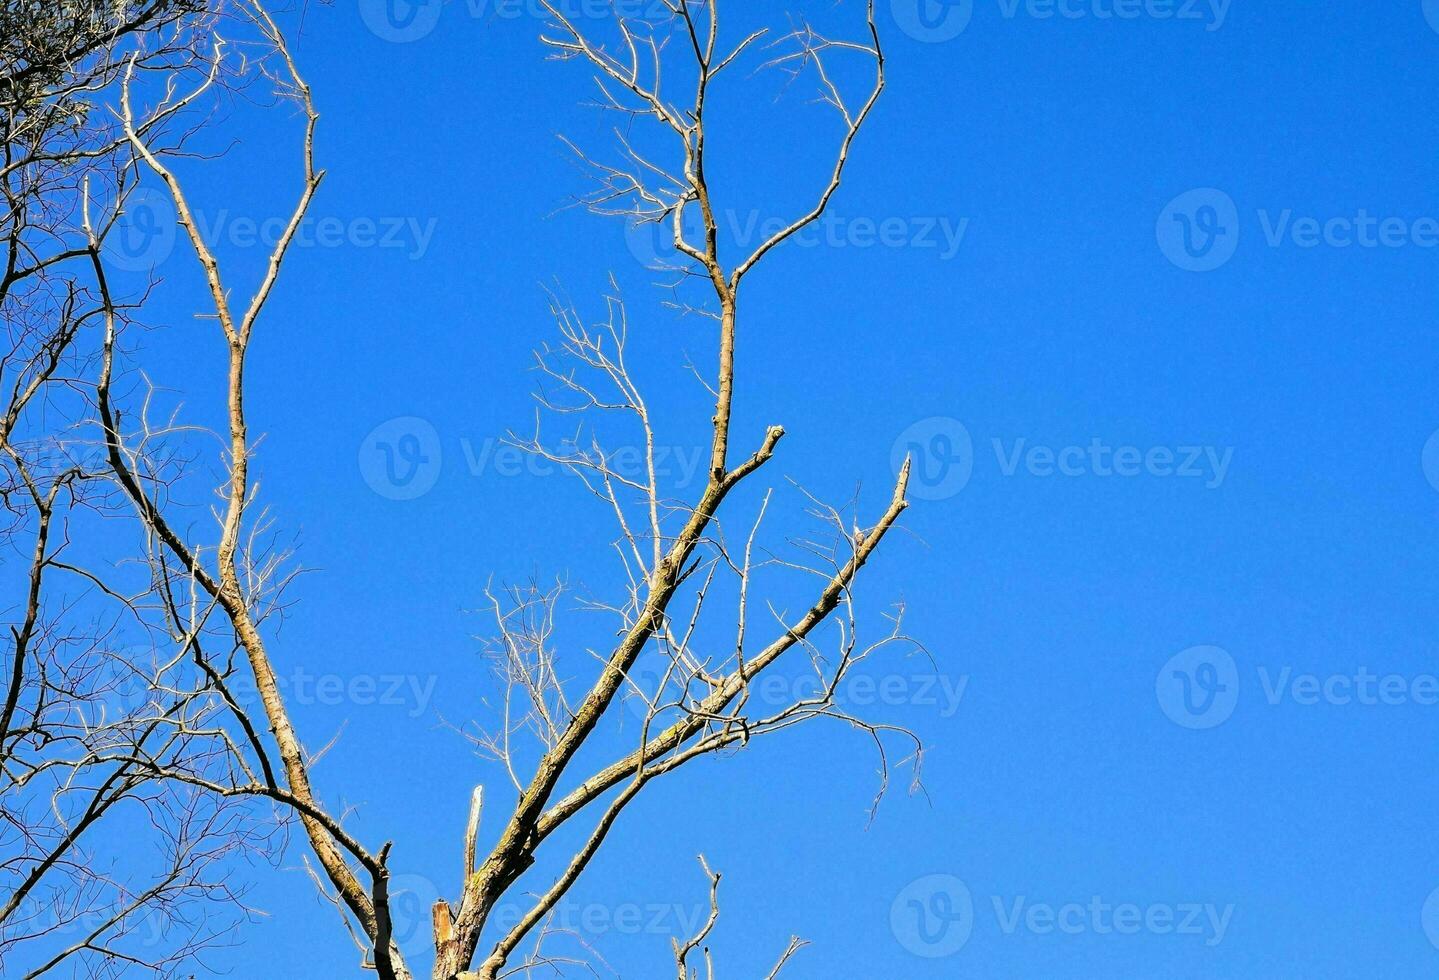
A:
(1151, 286)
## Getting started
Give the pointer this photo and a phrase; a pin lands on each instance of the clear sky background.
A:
(1280, 321)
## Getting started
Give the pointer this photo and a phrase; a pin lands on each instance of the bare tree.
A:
(696, 626)
(100, 677)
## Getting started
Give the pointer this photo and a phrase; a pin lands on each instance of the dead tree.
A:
(90, 694)
(685, 584)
